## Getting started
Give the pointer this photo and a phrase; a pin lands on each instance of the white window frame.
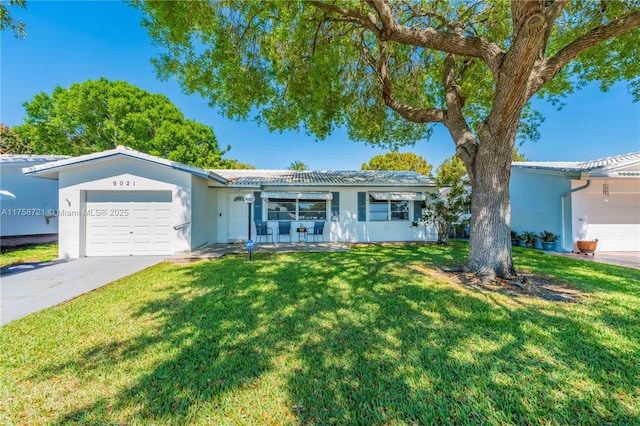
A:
(389, 216)
(297, 210)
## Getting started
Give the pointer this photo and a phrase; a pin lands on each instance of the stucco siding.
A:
(203, 218)
(536, 204)
(32, 212)
(120, 175)
(346, 229)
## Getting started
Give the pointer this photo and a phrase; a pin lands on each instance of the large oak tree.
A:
(388, 71)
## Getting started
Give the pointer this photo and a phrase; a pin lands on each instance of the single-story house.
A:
(27, 205)
(588, 200)
(124, 202)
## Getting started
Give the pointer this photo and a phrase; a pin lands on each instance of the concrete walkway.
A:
(31, 287)
(630, 259)
(217, 251)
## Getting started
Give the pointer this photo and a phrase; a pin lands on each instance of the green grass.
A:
(365, 337)
(34, 253)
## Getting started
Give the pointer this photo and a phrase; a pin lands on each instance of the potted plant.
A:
(529, 239)
(587, 247)
(515, 239)
(547, 240)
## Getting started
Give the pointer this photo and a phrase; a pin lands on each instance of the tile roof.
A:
(593, 166)
(50, 170)
(321, 177)
(29, 158)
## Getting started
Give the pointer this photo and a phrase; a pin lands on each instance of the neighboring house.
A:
(124, 202)
(589, 200)
(27, 205)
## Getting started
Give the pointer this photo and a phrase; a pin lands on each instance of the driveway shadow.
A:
(29, 266)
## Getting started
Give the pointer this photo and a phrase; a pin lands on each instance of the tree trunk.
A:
(490, 235)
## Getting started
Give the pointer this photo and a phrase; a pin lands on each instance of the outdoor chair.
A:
(284, 229)
(263, 231)
(317, 230)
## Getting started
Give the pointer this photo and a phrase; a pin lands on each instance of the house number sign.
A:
(119, 183)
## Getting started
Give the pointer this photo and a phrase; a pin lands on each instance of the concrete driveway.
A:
(630, 259)
(31, 287)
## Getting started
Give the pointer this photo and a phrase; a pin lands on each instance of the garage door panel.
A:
(615, 222)
(129, 223)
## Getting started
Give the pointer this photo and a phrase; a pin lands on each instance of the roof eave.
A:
(51, 170)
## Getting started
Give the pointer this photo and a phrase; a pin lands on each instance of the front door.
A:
(238, 217)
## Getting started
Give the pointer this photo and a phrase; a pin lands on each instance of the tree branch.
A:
(408, 112)
(466, 143)
(597, 35)
(364, 20)
(448, 42)
(551, 13)
(513, 82)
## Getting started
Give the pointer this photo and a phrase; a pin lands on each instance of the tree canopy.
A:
(399, 161)
(389, 71)
(8, 22)
(297, 165)
(518, 156)
(450, 172)
(13, 143)
(100, 114)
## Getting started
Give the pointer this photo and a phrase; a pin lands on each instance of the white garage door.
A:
(616, 222)
(128, 223)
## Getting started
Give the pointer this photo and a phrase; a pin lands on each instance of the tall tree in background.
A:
(399, 161)
(12, 143)
(388, 71)
(517, 156)
(297, 165)
(100, 114)
(450, 172)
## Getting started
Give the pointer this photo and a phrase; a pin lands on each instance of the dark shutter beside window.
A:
(362, 206)
(257, 207)
(335, 207)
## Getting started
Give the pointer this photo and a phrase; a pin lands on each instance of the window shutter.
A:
(335, 207)
(257, 207)
(362, 206)
(417, 210)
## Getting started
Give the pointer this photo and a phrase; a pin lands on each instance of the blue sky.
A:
(70, 42)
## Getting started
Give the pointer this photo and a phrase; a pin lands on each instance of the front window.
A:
(378, 210)
(384, 210)
(290, 209)
(399, 210)
(281, 209)
(312, 210)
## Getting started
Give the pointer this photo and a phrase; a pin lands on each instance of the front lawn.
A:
(33, 253)
(366, 337)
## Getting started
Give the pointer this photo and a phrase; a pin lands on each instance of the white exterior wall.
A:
(536, 204)
(613, 219)
(203, 213)
(128, 175)
(31, 213)
(347, 229)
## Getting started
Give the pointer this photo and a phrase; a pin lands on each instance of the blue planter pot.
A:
(547, 246)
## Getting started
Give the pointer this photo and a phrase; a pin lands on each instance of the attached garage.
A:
(123, 202)
(128, 223)
(589, 200)
(614, 219)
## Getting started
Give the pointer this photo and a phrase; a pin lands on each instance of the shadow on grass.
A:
(352, 338)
